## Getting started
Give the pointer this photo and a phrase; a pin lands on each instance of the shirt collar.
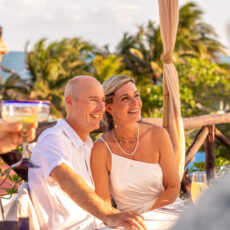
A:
(74, 137)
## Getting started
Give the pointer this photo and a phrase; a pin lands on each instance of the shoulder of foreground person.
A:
(212, 210)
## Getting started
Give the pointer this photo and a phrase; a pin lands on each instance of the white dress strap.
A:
(101, 138)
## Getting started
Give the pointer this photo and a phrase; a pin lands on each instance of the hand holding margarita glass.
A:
(25, 112)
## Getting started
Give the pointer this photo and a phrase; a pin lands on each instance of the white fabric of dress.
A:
(135, 185)
(54, 208)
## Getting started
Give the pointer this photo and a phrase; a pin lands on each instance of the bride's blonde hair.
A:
(111, 85)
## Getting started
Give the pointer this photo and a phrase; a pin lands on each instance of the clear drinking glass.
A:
(25, 112)
(199, 184)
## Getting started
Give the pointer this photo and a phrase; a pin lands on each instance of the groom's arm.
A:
(84, 196)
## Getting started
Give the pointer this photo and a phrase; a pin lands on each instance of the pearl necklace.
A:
(132, 153)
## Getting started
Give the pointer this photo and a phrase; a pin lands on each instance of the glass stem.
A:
(25, 150)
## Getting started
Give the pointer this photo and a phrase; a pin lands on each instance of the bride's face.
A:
(126, 105)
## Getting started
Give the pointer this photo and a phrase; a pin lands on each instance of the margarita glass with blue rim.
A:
(25, 112)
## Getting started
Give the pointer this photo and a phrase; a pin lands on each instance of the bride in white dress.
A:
(134, 162)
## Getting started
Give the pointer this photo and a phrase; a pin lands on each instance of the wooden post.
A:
(210, 153)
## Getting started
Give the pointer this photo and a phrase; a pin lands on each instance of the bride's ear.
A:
(108, 108)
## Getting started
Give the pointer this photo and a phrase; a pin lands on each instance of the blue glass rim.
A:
(26, 102)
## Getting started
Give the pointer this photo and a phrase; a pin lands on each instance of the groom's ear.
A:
(68, 101)
(108, 108)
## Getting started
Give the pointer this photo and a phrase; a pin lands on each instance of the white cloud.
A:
(101, 21)
(123, 14)
(109, 21)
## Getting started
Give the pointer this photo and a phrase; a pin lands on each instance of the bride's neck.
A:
(126, 132)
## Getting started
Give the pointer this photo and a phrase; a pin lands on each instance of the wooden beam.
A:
(196, 122)
(189, 123)
(220, 136)
(195, 146)
(206, 120)
(210, 153)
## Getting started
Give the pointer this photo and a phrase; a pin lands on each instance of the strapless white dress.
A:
(135, 185)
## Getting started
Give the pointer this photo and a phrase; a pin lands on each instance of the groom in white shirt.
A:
(62, 188)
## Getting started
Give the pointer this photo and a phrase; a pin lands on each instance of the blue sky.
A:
(101, 21)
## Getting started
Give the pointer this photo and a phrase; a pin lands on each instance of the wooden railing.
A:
(205, 136)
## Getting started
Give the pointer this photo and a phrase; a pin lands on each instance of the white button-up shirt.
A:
(54, 208)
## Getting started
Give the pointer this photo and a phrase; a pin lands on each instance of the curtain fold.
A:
(169, 17)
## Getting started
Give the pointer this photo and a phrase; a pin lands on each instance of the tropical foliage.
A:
(196, 38)
(14, 87)
(51, 66)
(104, 67)
(203, 86)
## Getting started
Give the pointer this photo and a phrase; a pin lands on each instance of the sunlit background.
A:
(101, 21)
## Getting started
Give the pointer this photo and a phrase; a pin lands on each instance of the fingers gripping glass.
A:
(25, 112)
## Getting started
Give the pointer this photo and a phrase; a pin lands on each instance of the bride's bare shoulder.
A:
(99, 144)
(151, 129)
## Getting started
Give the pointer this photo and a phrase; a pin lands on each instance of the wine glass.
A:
(25, 112)
(199, 184)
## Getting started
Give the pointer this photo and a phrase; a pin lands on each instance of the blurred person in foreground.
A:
(212, 210)
(10, 137)
(61, 188)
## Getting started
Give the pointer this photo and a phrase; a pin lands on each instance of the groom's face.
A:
(88, 105)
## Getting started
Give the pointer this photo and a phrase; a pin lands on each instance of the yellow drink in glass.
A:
(26, 119)
(197, 189)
